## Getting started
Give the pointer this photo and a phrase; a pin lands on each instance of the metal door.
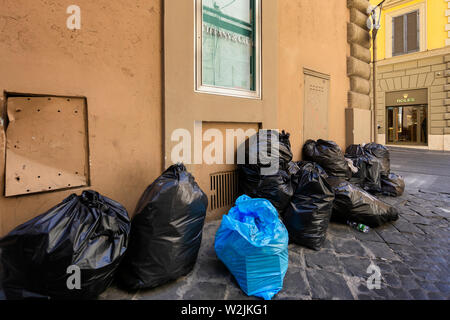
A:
(317, 87)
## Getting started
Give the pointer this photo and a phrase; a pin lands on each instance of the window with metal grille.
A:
(405, 33)
(224, 189)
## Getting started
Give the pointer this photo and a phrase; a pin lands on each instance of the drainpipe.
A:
(375, 26)
(375, 128)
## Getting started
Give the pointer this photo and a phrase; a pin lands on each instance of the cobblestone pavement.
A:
(413, 254)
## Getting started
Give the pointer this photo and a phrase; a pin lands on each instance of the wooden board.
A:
(47, 145)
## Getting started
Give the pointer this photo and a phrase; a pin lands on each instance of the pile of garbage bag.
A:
(262, 150)
(356, 205)
(328, 155)
(368, 174)
(252, 242)
(166, 231)
(393, 185)
(309, 212)
(275, 186)
(71, 252)
(382, 154)
(374, 170)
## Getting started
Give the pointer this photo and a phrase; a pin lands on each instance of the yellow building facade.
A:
(413, 69)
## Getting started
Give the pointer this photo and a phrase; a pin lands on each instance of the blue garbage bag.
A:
(253, 243)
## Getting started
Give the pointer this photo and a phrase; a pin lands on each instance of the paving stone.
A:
(328, 285)
(350, 247)
(391, 280)
(364, 237)
(418, 219)
(212, 270)
(363, 297)
(328, 243)
(404, 226)
(235, 293)
(427, 286)
(169, 291)
(295, 259)
(418, 294)
(384, 266)
(295, 283)
(443, 287)
(394, 238)
(425, 275)
(205, 291)
(443, 212)
(114, 293)
(383, 293)
(401, 268)
(322, 259)
(381, 251)
(434, 231)
(408, 283)
(436, 296)
(355, 266)
(399, 294)
(207, 246)
(340, 231)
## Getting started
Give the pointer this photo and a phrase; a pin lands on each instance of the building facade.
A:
(413, 74)
(99, 95)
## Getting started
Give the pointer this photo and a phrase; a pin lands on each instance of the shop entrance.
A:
(408, 125)
(407, 117)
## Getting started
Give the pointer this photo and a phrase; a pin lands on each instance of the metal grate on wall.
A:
(224, 189)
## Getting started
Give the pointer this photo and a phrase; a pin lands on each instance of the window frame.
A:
(388, 18)
(405, 33)
(225, 91)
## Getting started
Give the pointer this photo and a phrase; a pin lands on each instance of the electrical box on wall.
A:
(47, 145)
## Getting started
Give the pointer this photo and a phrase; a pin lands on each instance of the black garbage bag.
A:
(275, 188)
(355, 150)
(368, 176)
(89, 231)
(292, 170)
(393, 185)
(308, 215)
(259, 147)
(382, 154)
(329, 156)
(356, 205)
(166, 231)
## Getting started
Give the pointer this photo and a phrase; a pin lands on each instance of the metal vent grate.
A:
(224, 189)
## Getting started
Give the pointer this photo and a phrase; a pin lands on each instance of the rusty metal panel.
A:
(47, 145)
(317, 87)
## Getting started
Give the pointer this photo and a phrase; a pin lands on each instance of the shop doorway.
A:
(408, 125)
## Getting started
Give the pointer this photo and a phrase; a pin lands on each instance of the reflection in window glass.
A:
(407, 125)
(228, 44)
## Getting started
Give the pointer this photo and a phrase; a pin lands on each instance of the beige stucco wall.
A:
(184, 106)
(313, 35)
(115, 62)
